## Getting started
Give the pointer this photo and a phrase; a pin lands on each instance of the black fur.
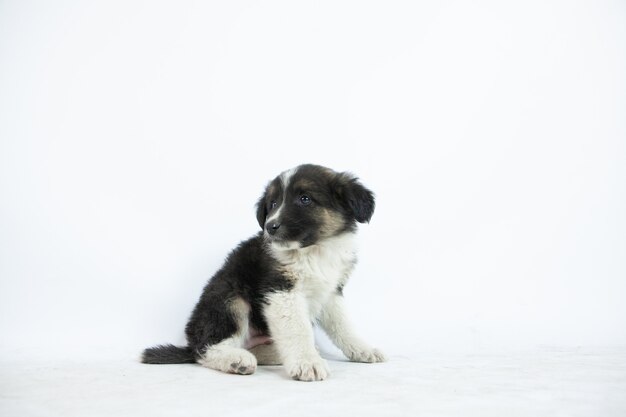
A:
(250, 272)
(165, 354)
(358, 199)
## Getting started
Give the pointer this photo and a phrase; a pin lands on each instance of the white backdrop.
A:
(136, 136)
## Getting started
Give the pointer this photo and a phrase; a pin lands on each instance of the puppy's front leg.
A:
(335, 323)
(287, 316)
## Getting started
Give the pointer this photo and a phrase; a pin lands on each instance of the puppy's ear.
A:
(355, 197)
(261, 210)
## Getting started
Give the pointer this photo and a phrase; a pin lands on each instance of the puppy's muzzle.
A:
(272, 228)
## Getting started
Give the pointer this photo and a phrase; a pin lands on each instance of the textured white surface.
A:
(547, 382)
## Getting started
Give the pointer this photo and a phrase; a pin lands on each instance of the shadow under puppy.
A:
(260, 306)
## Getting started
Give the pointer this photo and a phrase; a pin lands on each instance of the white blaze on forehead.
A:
(285, 178)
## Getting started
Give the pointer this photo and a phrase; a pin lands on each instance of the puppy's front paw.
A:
(314, 369)
(365, 354)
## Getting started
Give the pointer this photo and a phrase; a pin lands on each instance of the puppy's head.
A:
(310, 203)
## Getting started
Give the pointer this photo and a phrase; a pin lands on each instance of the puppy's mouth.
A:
(280, 243)
(286, 245)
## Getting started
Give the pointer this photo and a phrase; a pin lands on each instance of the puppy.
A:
(260, 306)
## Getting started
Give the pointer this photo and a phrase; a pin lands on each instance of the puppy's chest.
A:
(317, 272)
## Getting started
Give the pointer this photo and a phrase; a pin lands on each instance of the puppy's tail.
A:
(165, 354)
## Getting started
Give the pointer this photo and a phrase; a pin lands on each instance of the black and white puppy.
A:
(260, 306)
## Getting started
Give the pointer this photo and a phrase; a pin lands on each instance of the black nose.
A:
(272, 228)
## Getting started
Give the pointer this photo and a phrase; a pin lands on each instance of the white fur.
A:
(289, 324)
(285, 178)
(285, 245)
(316, 272)
(276, 213)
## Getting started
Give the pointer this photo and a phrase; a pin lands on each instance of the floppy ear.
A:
(261, 210)
(356, 198)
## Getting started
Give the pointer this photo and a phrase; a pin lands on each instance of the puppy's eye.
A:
(273, 204)
(305, 200)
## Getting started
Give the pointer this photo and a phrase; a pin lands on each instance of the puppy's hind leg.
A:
(228, 355)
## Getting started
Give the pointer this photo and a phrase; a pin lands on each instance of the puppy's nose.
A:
(272, 227)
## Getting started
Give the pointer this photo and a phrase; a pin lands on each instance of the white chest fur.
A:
(317, 271)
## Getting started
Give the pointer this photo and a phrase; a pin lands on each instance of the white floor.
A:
(547, 382)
